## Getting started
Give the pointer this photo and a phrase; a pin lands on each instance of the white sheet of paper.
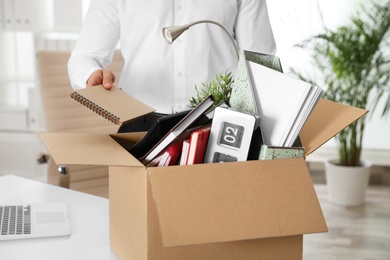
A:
(284, 104)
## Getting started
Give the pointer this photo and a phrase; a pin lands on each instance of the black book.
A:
(176, 132)
(157, 131)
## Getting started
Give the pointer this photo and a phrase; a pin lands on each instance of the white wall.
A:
(26, 26)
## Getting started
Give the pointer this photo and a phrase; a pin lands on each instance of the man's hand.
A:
(104, 77)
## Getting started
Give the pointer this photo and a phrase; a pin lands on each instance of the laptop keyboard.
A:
(15, 220)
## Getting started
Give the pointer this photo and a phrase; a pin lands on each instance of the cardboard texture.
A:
(328, 118)
(188, 200)
(243, 210)
(135, 231)
(87, 149)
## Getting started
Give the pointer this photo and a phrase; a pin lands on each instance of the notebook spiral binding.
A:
(95, 108)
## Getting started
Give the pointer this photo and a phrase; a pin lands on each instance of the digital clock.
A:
(230, 136)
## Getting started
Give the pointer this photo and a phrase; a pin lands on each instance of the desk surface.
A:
(88, 216)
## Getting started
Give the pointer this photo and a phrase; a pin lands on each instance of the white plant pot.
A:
(347, 185)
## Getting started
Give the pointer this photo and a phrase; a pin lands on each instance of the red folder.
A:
(171, 155)
(198, 145)
(184, 152)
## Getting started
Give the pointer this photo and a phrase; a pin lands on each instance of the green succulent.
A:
(220, 88)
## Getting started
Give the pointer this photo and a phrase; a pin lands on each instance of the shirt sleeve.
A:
(253, 30)
(97, 41)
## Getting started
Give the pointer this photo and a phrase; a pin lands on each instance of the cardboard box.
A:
(242, 210)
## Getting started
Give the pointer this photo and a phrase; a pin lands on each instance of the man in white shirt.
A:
(163, 75)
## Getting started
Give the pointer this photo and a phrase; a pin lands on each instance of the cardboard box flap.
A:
(87, 149)
(208, 203)
(327, 119)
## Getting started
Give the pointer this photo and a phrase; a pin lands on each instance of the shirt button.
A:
(179, 107)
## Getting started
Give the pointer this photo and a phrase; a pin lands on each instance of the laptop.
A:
(33, 221)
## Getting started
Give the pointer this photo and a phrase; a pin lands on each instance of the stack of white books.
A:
(284, 104)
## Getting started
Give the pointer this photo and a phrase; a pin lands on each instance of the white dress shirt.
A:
(160, 74)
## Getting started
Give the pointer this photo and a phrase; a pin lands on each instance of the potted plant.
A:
(220, 88)
(354, 61)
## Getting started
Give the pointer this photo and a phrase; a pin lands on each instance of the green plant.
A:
(354, 60)
(220, 88)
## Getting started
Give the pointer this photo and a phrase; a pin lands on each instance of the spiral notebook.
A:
(115, 104)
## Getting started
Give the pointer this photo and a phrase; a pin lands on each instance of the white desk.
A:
(88, 216)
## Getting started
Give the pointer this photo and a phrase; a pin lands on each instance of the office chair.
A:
(62, 114)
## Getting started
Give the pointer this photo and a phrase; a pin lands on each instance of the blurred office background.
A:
(27, 26)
